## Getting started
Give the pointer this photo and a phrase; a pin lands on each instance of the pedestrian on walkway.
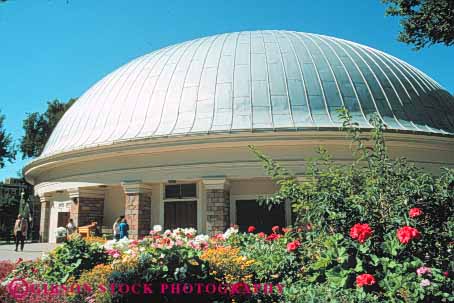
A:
(116, 228)
(70, 228)
(124, 227)
(20, 231)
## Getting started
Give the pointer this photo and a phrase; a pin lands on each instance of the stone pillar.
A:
(44, 217)
(217, 205)
(137, 208)
(87, 206)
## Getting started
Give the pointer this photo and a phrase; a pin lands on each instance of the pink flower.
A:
(415, 212)
(292, 246)
(251, 229)
(116, 255)
(423, 270)
(446, 274)
(365, 279)
(134, 243)
(275, 229)
(219, 237)
(361, 232)
(407, 233)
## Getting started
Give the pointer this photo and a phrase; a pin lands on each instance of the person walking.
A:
(20, 232)
(70, 227)
(124, 227)
(116, 228)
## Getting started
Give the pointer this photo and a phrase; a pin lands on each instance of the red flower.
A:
(360, 232)
(275, 229)
(407, 233)
(292, 246)
(446, 274)
(286, 230)
(273, 237)
(415, 212)
(365, 279)
(251, 229)
(19, 260)
(261, 235)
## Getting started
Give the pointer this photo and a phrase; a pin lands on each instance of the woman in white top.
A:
(116, 229)
(71, 227)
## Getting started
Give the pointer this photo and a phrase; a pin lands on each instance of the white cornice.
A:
(216, 184)
(194, 142)
(136, 187)
(85, 193)
(45, 197)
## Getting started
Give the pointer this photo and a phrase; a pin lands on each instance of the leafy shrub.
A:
(378, 218)
(71, 259)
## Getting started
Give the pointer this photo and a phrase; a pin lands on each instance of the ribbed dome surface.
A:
(252, 81)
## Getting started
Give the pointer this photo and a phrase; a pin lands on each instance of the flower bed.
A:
(286, 265)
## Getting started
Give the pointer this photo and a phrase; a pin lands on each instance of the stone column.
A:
(44, 218)
(137, 208)
(87, 206)
(217, 205)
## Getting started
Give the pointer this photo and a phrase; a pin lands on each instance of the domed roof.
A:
(252, 81)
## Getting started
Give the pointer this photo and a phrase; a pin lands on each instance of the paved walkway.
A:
(31, 251)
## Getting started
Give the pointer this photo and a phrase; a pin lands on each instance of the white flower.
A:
(191, 231)
(201, 238)
(157, 228)
(230, 232)
(425, 282)
(109, 244)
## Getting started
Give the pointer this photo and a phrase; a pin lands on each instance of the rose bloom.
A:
(407, 233)
(251, 229)
(261, 235)
(286, 230)
(275, 229)
(415, 212)
(273, 237)
(360, 232)
(423, 270)
(365, 279)
(292, 246)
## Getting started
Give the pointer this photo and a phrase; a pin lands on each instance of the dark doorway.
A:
(180, 214)
(63, 218)
(248, 212)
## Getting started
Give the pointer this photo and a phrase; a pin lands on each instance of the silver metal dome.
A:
(252, 81)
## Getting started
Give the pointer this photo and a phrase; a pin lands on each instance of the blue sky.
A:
(58, 49)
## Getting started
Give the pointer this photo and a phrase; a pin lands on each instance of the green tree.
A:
(7, 148)
(424, 22)
(39, 126)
